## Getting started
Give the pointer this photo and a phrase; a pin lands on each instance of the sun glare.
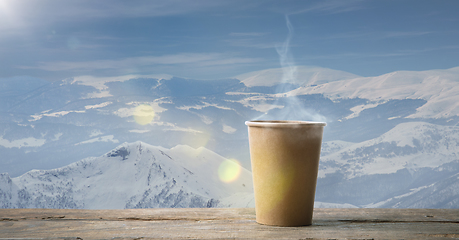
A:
(143, 114)
(10, 16)
(196, 139)
(229, 170)
(5, 9)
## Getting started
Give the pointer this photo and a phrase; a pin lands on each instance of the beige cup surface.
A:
(285, 162)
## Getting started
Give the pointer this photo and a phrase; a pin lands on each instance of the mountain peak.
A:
(143, 176)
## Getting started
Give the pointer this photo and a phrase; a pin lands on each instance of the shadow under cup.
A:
(285, 162)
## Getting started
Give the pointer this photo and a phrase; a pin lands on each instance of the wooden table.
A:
(225, 223)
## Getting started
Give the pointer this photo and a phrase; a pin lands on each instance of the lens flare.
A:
(279, 182)
(8, 13)
(143, 114)
(196, 139)
(229, 170)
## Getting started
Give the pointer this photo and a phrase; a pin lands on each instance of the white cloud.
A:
(24, 142)
(394, 53)
(99, 82)
(53, 114)
(228, 129)
(374, 35)
(108, 138)
(101, 105)
(251, 43)
(250, 39)
(188, 59)
(331, 7)
(247, 34)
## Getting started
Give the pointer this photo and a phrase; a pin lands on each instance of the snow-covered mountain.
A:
(439, 88)
(440, 194)
(135, 175)
(411, 145)
(388, 138)
(384, 171)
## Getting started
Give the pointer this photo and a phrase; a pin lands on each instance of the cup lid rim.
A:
(280, 123)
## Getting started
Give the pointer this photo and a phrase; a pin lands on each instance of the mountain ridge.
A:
(372, 148)
(135, 175)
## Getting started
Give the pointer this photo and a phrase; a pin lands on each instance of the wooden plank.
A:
(226, 223)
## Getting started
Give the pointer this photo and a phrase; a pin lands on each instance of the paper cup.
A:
(285, 162)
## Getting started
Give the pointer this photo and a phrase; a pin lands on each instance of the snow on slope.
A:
(440, 88)
(410, 145)
(203, 162)
(440, 194)
(99, 82)
(135, 175)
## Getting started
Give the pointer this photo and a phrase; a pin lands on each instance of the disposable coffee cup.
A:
(285, 162)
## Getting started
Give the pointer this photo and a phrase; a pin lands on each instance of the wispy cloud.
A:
(398, 53)
(251, 43)
(332, 7)
(182, 59)
(374, 35)
(142, 8)
(250, 40)
(405, 34)
(247, 34)
(408, 52)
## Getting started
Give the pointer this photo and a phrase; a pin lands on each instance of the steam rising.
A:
(286, 59)
(293, 107)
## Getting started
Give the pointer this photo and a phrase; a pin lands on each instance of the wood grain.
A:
(230, 223)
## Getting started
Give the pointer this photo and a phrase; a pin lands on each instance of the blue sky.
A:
(211, 39)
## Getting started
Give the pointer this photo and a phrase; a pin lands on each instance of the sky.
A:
(208, 39)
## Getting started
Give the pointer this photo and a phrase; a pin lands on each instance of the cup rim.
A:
(283, 123)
